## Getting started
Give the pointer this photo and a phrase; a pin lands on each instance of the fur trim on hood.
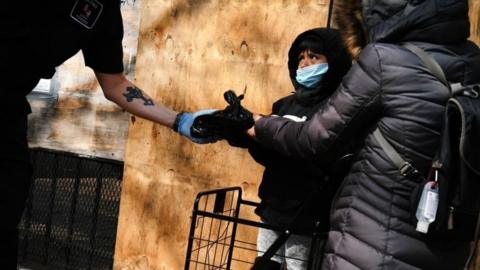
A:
(396, 21)
(349, 20)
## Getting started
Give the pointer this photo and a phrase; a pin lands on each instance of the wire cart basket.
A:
(217, 234)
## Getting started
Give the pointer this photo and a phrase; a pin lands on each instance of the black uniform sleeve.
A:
(104, 52)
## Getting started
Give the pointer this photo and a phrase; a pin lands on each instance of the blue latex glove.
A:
(185, 121)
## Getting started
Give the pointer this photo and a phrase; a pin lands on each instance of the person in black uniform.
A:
(35, 37)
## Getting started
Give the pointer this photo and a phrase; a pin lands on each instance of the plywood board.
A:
(190, 52)
(475, 20)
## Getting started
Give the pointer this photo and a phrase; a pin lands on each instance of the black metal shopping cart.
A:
(215, 241)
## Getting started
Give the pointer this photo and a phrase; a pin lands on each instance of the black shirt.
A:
(37, 36)
(63, 35)
(46, 33)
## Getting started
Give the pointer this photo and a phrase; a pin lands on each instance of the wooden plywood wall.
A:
(475, 20)
(190, 52)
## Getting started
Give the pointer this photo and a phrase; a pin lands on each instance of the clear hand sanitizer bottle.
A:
(427, 207)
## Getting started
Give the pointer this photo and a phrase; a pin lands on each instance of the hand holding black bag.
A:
(230, 124)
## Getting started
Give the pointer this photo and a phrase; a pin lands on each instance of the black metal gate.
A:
(70, 221)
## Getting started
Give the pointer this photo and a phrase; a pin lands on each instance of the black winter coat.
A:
(389, 88)
(289, 183)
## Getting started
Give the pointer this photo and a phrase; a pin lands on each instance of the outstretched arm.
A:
(118, 89)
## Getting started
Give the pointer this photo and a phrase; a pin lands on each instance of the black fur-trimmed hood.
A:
(339, 62)
(395, 21)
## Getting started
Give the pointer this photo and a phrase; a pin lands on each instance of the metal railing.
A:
(71, 216)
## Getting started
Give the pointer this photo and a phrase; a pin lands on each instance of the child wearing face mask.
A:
(317, 62)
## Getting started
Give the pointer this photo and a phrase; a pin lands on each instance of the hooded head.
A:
(395, 21)
(327, 42)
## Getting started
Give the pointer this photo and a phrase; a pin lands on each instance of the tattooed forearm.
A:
(134, 92)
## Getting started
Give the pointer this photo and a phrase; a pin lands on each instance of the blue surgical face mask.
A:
(311, 76)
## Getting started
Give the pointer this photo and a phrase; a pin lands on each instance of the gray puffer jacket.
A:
(388, 87)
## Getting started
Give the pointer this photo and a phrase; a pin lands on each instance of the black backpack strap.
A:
(429, 62)
(405, 167)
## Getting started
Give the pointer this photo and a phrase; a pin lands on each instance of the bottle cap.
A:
(422, 226)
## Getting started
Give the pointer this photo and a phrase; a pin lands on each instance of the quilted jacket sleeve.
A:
(352, 110)
(264, 155)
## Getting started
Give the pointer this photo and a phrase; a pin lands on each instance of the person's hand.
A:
(251, 131)
(230, 124)
(183, 124)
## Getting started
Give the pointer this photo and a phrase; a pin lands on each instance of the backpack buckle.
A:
(408, 170)
(474, 92)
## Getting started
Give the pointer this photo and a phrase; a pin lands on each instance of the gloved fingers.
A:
(205, 126)
(185, 126)
(203, 112)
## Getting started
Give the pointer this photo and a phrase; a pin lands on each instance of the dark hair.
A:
(311, 43)
(325, 41)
